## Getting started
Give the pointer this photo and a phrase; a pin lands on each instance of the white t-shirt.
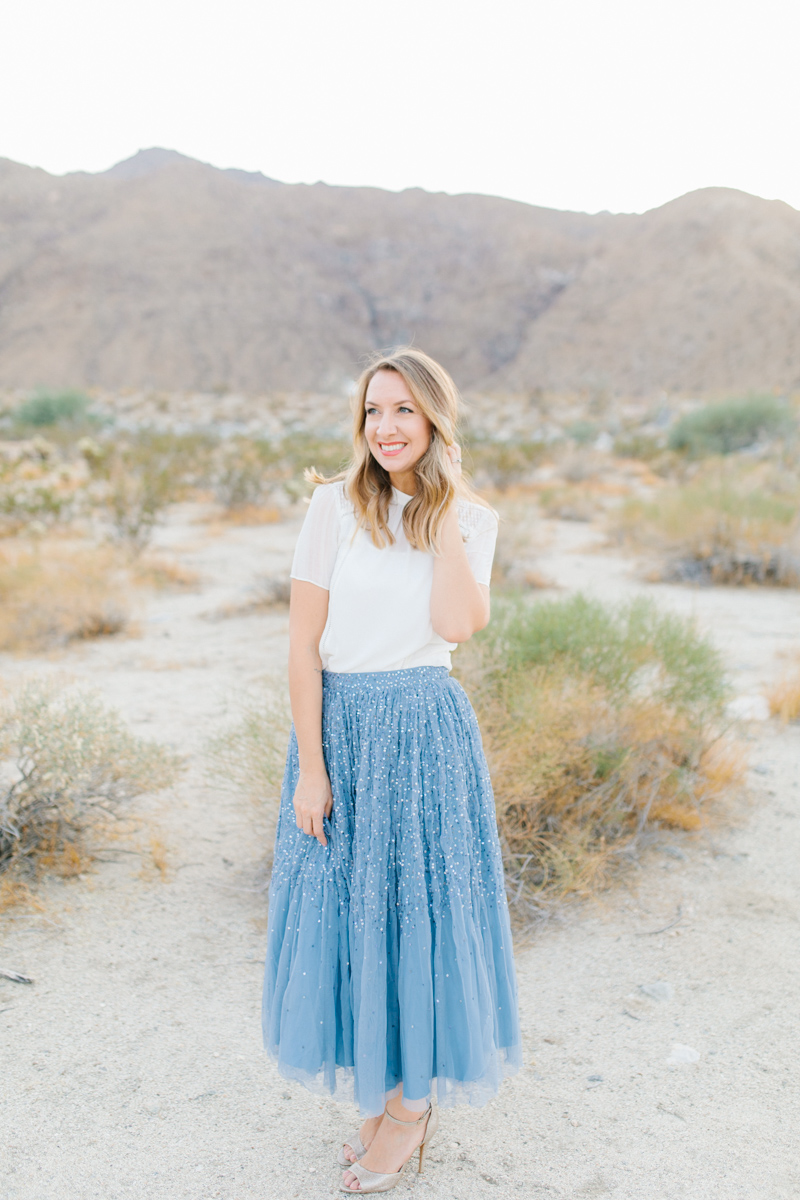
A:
(379, 607)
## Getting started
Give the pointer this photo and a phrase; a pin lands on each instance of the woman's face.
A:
(397, 433)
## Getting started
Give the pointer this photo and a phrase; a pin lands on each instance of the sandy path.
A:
(133, 1067)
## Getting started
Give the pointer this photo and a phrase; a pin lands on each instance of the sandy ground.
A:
(133, 1065)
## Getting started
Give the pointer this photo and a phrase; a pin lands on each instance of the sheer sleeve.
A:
(479, 526)
(318, 543)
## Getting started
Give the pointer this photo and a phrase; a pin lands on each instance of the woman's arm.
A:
(459, 604)
(308, 612)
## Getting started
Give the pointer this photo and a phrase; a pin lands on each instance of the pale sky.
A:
(579, 104)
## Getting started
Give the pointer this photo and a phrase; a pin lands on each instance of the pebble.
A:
(658, 991)
(683, 1054)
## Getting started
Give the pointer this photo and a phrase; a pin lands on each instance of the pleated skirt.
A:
(389, 956)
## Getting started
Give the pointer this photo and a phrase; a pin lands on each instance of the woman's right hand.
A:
(313, 800)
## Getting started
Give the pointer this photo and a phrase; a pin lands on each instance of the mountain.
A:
(168, 273)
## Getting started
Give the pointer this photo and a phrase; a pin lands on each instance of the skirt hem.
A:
(448, 1093)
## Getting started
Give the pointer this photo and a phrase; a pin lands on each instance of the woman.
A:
(389, 960)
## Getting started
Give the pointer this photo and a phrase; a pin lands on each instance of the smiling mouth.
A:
(391, 448)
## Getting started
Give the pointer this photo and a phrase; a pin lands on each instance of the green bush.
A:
(730, 425)
(615, 646)
(642, 446)
(53, 408)
(582, 432)
(599, 723)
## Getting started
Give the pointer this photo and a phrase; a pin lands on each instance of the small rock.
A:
(761, 769)
(683, 1054)
(658, 991)
(153, 1107)
(595, 1078)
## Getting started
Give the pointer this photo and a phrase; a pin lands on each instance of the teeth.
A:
(392, 445)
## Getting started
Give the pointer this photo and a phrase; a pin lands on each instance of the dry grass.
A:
(732, 524)
(163, 574)
(52, 593)
(16, 893)
(601, 727)
(784, 698)
(157, 859)
(248, 758)
(253, 514)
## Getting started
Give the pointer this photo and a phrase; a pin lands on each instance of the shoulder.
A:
(328, 498)
(475, 518)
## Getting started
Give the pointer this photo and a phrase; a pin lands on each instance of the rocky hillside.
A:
(164, 272)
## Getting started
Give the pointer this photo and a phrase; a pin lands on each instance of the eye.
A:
(370, 411)
(405, 408)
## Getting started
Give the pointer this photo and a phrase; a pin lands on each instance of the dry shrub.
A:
(70, 765)
(16, 892)
(137, 499)
(600, 726)
(156, 860)
(248, 758)
(784, 698)
(266, 593)
(253, 514)
(39, 486)
(569, 503)
(163, 573)
(501, 464)
(53, 592)
(730, 525)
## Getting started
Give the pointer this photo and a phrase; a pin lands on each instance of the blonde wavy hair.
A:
(368, 484)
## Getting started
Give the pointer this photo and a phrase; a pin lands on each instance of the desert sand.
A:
(661, 1049)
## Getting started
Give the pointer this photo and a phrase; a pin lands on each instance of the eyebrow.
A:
(396, 403)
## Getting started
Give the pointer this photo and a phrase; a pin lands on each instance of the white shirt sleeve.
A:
(318, 543)
(480, 543)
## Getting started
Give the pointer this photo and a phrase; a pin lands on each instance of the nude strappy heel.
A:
(373, 1181)
(356, 1145)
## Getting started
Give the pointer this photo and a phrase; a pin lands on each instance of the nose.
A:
(386, 425)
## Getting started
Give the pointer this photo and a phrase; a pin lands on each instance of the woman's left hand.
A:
(454, 454)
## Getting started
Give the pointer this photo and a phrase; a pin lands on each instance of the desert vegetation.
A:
(729, 523)
(784, 696)
(248, 755)
(603, 725)
(731, 425)
(71, 767)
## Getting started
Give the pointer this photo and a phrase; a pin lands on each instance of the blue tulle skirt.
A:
(389, 956)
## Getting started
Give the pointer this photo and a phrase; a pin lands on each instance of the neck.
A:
(404, 481)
